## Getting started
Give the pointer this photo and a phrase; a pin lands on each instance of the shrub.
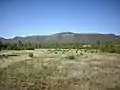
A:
(85, 50)
(96, 51)
(55, 52)
(77, 51)
(49, 50)
(12, 55)
(71, 57)
(3, 56)
(111, 50)
(118, 51)
(30, 48)
(63, 52)
(81, 53)
(86, 56)
(31, 55)
(0, 56)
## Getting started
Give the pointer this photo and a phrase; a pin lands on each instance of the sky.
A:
(44, 17)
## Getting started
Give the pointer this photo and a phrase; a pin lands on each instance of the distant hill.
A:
(66, 37)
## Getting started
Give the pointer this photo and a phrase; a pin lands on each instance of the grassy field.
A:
(64, 69)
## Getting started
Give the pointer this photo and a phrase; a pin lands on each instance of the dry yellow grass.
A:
(50, 71)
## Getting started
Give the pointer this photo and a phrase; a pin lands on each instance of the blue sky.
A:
(39, 17)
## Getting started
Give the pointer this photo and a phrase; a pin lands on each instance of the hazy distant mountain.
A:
(65, 37)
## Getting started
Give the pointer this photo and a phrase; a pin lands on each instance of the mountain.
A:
(66, 37)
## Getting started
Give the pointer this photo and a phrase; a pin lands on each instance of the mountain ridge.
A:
(65, 37)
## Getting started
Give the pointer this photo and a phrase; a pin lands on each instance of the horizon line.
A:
(11, 37)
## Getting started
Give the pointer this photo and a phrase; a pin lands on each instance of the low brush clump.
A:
(81, 53)
(110, 48)
(85, 50)
(3, 56)
(55, 52)
(31, 55)
(86, 56)
(70, 57)
(7, 55)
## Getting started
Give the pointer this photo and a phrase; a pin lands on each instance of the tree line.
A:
(104, 47)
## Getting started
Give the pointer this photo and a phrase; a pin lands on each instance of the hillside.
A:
(65, 37)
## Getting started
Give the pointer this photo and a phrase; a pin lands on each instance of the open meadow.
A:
(59, 69)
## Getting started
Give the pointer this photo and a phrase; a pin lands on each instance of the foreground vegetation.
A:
(59, 66)
(59, 69)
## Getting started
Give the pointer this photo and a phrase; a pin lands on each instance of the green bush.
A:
(3, 56)
(71, 57)
(81, 53)
(63, 52)
(118, 51)
(96, 51)
(77, 51)
(30, 48)
(85, 50)
(0, 56)
(111, 49)
(31, 55)
(86, 56)
(55, 52)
